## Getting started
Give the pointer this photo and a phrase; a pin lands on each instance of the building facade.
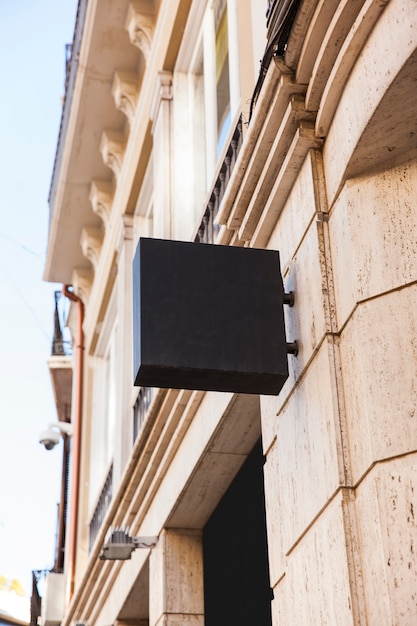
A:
(205, 121)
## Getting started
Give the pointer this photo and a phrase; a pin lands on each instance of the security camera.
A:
(51, 436)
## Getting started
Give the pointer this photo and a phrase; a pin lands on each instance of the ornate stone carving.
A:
(101, 198)
(82, 282)
(91, 242)
(140, 26)
(125, 93)
(112, 148)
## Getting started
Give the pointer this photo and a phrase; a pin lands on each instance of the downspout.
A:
(76, 445)
(62, 510)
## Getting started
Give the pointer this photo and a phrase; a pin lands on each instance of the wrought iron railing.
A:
(140, 409)
(208, 229)
(60, 345)
(101, 508)
(280, 17)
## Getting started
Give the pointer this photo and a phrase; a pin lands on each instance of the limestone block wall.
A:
(341, 438)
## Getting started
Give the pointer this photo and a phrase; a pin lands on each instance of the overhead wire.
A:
(15, 287)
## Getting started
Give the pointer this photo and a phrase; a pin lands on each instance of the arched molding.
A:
(338, 30)
(140, 25)
(377, 103)
(101, 198)
(346, 59)
(125, 93)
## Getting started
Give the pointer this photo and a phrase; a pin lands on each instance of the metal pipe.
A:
(62, 509)
(76, 444)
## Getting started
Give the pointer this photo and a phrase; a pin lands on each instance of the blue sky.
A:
(33, 34)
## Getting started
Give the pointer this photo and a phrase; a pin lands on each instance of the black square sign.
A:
(208, 317)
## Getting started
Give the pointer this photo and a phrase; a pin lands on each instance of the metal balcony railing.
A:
(280, 17)
(60, 345)
(101, 508)
(140, 409)
(208, 229)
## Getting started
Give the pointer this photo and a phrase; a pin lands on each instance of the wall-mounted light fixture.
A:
(120, 545)
(209, 317)
(51, 436)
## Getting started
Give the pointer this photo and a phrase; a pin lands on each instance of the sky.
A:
(33, 34)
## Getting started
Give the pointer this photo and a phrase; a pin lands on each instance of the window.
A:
(221, 97)
(214, 78)
(222, 80)
(104, 372)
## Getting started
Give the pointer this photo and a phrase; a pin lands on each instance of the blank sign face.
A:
(208, 317)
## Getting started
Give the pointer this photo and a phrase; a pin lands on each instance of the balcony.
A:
(280, 18)
(140, 409)
(101, 508)
(207, 230)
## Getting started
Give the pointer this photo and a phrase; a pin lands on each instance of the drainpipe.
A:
(76, 444)
(62, 509)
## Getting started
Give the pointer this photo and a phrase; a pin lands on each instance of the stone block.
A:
(373, 232)
(296, 216)
(304, 466)
(315, 589)
(378, 351)
(306, 320)
(176, 576)
(386, 504)
(181, 620)
(269, 411)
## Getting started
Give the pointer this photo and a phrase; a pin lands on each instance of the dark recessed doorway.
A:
(236, 576)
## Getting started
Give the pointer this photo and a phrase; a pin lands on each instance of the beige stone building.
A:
(202, 120)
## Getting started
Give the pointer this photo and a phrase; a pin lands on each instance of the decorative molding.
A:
(140, 24)
(125, 93)
(125, 232)
(101, 198)
(162, 92)
(91, 242)
(144, 206)
(112, 148)
(82, 282)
